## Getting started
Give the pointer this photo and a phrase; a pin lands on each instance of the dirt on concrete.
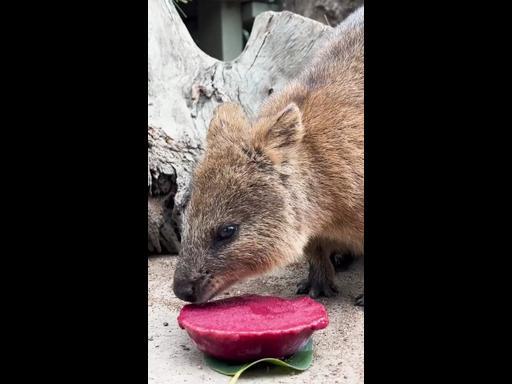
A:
(338, 349)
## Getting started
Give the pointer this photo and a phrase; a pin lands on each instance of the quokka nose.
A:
(185, 291)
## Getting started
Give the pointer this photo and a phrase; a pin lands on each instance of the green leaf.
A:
(300, 361)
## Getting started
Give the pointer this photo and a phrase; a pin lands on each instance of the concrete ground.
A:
(338, 349)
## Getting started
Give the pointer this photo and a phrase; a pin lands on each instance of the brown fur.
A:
(292, 180)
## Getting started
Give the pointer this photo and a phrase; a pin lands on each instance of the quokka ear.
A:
(228, 122)
(281, 132)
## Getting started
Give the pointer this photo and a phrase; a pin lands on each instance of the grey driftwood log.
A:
(184, 87)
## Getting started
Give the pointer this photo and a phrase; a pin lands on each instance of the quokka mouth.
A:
(214, 287)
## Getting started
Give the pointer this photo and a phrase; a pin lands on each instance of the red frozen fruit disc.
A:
(251, 327)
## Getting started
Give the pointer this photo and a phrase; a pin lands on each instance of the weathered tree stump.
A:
(184, 87)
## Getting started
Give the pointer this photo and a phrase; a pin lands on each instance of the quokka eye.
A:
(226, 232)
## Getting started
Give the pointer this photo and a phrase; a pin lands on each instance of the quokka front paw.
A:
(316, 288)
